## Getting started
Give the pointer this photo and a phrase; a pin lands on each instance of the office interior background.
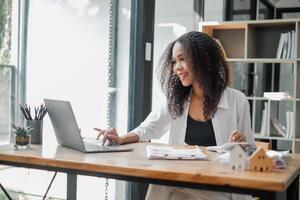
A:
(102, 56)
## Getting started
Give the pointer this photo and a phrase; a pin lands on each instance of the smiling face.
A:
(182, 65)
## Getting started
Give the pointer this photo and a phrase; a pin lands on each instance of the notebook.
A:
(67, 131)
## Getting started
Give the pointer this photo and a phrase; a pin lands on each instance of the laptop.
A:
(67, 131)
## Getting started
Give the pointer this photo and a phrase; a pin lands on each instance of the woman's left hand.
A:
(235, 136)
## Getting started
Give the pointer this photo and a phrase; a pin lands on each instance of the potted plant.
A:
(22, 136)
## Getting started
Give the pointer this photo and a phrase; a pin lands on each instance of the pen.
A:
(23, 111)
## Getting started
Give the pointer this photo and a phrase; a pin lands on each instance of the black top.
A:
(199, 133)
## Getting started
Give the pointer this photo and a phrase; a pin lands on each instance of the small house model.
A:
(259, 161)
(238, 158)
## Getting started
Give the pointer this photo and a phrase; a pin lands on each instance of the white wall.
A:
(214, 10)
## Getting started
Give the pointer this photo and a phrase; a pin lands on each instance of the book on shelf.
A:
(277, 95)
(293, 52)
(289, 45)
(263, 125)
(280, 45)
(279, 127)
(291, 124)
(286, 46)
(287, 114)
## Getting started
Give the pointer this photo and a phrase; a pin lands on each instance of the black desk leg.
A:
(5, 192)
(71, 186)
(292, 192)
(49, 186)
(272, 196)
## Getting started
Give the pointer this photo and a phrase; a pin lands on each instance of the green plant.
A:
(22, 131)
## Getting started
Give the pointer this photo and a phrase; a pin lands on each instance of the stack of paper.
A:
(188, 153)
(225, 147)
(277, 95)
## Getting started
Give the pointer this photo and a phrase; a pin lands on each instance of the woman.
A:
(199, 110)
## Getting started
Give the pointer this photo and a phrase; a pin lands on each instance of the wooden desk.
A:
(134, 166)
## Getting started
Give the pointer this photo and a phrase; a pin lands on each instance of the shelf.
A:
(290, 99)
(241, 24)
(273, 22)
(262, 60)
(251, 48)
(258, 136)
(257, 98)
(266, 99)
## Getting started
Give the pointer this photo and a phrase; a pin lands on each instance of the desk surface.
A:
(135, 164)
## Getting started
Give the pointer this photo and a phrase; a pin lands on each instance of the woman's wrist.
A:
(129, 138)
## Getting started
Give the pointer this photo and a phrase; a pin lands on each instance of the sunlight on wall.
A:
(67, 60)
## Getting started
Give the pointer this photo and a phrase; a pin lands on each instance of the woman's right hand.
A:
(109, 135)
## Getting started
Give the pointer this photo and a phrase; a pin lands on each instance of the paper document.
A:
(174, 153)
(225, 147)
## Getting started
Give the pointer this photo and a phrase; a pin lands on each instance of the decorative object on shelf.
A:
(259, 161)
(35, 122)
(22, 137)
(279, 127)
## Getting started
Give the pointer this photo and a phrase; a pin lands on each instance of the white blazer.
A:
(233, 113)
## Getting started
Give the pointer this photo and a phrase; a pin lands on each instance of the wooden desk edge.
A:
(35, 161)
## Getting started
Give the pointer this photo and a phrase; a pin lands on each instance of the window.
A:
(8, 76)
(67, 57)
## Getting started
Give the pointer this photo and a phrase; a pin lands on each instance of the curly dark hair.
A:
(209, 66)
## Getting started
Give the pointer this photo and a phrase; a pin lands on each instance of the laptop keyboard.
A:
(92, 145)
(95, 146)
(98, 146)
